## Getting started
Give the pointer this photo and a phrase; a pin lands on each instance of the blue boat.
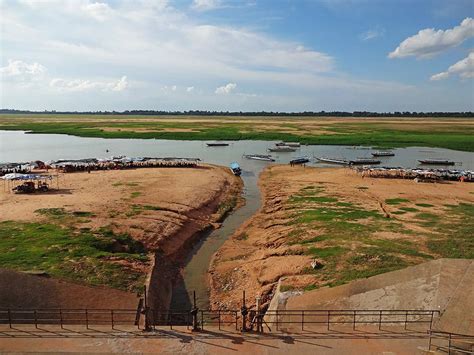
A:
(235, 167)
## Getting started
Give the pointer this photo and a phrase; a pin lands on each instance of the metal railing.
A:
(63, 317)
(353, 317)
(278, 318)
(452, 343)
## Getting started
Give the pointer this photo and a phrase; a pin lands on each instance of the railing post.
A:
(87, 319)
(380, 319)
(194, 313)
(449, 344)
(219, 314)
(406, 319)
(431, 321)
(329, 316)
(277, 319)
(10, 318)
(36, 319)
(112, 317)
(202, 319)
(429, 343)
(61, 318)
(354, 321)
(302, 320)
(244, 311)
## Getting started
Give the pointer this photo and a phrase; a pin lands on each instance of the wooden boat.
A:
(383, 154)
(235, 167)
(217, 144)
(436, 162)
(282, 149)
(333, 160)
(288, 144)
(299, 160)
(262, 157)
(364, 161)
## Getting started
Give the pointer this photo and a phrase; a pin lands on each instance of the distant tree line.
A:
(247, 113)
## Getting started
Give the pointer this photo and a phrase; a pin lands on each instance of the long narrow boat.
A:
(263, 157)
(299, 160)
(217, 144)
(333, 160)
(364, 161)
(436, 162)
(282, 149)
(235, 167)
(288, 144)
(383, 154)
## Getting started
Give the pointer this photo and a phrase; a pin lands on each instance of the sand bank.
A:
(354, 227)
(162, 209)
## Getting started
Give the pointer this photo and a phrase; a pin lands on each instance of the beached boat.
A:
(333, 160)
(436, 162)
(262, 157)
(288, 144)
(364, 161)
(383, 154)
(282, 149)
(235, 167)
(217, 144)
(299, 160)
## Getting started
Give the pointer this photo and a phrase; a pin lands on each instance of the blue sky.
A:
(280, 55)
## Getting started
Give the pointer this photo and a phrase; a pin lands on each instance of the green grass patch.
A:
(409, 209)
(395, 201)
(77, 255)
(327, 252)
(424, 205)
(135, 194)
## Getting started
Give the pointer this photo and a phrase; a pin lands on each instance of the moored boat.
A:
(282, 149)
(235, 167)
(383, 153)
(364, 161)
(333, 160)
(436, 162)
(262, 157)
(217, 144)
(299, 160)
(288, 144)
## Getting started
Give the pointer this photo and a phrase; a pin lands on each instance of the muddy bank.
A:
(127, 216)
(325, 227)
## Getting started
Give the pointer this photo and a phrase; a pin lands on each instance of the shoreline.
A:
(390, 132)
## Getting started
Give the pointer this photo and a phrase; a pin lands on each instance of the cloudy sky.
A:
(279, 55)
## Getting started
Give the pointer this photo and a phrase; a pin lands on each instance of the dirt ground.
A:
(271, 245)
(174, 196)
(160, 207)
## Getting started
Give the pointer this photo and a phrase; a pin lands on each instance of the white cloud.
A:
(464, 68)
(206, 5)
(87, 85)
(97, 10)
(428, 42)
(226, 89)
(18, 68)
(372, 34)
(190, 89)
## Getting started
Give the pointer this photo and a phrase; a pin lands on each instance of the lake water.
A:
(16, 146)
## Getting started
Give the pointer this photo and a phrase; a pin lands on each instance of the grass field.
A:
(59, 247)
(452, 133)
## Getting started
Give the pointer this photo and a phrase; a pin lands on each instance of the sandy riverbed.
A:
(271, 245)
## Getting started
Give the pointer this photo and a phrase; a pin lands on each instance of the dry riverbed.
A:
(104, 228)
(351, 227)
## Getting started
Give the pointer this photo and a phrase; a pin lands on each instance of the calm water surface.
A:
(16, 146)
